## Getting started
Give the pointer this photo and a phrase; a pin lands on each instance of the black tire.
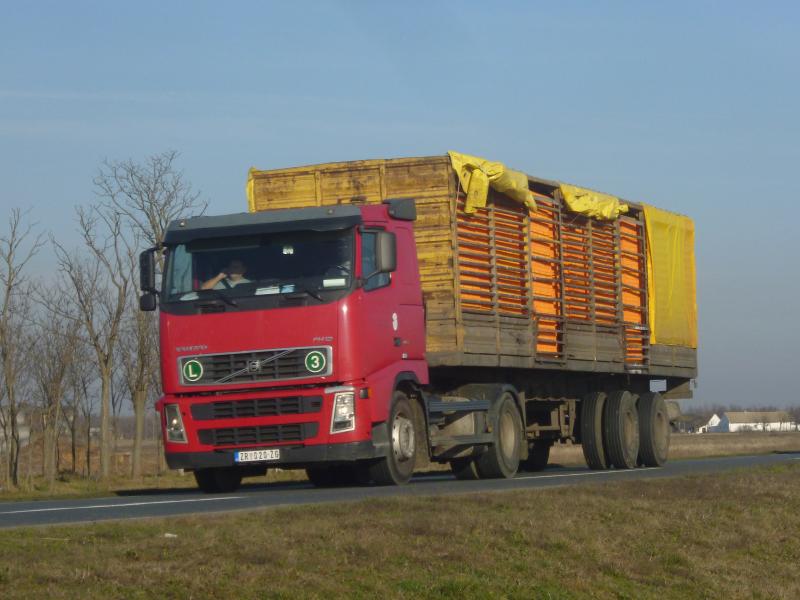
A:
(592, 430)
(218, 480)
(501, 458)
(654, 430)
(621, 429)
(538, 456)
(338, 475)
(464, 468)
(397, 467)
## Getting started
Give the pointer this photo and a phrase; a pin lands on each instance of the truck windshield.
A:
(295, 262)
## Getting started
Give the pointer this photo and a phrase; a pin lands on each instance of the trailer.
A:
(475, 316)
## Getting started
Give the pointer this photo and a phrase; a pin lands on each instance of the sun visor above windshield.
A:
(323, 218)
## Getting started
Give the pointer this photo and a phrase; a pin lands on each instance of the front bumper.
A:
(291, 456)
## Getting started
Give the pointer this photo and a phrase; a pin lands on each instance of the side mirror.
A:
(385, 252)
(147, 301)
(147, 271)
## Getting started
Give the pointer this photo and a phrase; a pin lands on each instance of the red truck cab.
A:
(294, 362)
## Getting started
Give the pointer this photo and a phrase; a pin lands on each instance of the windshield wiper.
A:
(303, 290)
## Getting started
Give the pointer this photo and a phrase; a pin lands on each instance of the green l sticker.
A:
(192, 370)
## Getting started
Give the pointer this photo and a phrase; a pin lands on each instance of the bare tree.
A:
(54, 342)
(17, 248)
(79, 378)
(101, 282)
(147, 196)
(139, 355)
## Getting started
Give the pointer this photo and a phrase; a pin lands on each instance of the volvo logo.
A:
(253, 366)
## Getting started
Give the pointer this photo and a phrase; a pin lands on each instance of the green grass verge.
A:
(732, 535)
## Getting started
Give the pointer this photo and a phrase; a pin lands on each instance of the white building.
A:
(732, 422)
(711, 426)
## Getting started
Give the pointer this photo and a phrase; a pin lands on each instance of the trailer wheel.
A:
(621, 429)
(538, 456)
(653, 430)
(218, 480)
(501, 458)
(464, 468)
(592, 430)
(397, 467)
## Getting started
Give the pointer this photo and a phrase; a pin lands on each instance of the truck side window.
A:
(368, 241)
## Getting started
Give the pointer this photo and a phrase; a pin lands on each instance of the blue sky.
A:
(689, 106)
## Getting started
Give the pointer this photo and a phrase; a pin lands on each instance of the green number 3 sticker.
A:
(315, 361)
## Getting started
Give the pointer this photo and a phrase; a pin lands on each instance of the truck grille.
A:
(260, 434)
(257, 407)
(259, 365)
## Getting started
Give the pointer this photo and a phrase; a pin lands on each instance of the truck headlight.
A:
(176, 433)
(344, 411)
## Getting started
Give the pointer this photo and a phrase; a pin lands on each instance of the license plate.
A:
(257, 455)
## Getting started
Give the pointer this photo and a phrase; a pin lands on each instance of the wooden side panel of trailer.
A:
(504, 286)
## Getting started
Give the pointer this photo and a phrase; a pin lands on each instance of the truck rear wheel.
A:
(538, 456)
(218, 480)
(592, 430)
(653, 430)
(501, 458)
(621, 429)
(397, 467)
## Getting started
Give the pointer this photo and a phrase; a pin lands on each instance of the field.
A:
(682, 446)
(731, 535)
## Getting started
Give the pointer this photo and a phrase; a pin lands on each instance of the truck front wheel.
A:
(397, 467)
(218, 480)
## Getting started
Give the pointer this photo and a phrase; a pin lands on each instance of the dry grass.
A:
(726, 536)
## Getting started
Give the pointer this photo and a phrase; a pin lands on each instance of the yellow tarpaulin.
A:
(477, 175)
(250, 189)
(592, 204)
(671, 278)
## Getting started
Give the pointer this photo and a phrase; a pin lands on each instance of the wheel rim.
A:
(402, 438)
(508, 435)
(629, 424)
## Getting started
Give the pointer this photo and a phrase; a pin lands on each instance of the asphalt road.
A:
(165, 503)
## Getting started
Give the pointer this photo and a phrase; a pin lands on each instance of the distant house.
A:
(734, 421)
(712, 426)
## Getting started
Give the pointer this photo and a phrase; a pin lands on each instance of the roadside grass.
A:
(732, 535)
(682, 446)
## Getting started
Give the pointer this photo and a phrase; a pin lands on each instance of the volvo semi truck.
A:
(365, 318)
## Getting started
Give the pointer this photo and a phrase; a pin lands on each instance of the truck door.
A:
(379, 308)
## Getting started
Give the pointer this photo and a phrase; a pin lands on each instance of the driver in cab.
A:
(228, 278)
